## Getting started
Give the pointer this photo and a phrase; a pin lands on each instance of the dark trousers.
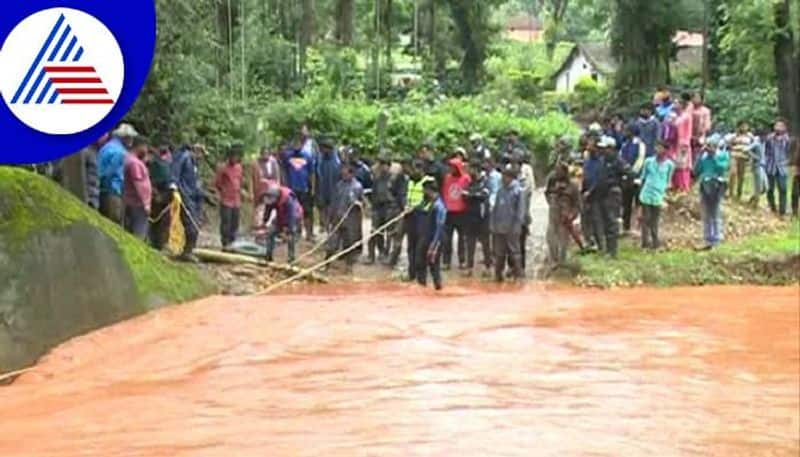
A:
(307, 202)
(291, 241)
(605, 220)
(159, 229)
(396, 234)
(424, 264)
(478, 231)
(506, 249)
(629, 202)
(190, 229)
(455, 223)
(795, 195)
(228, 224)
(111, 207)
(651, 215)
(380, 216)
(135, 221)
(523, 248)
(779, 181)
(411, 245)
(348, 234)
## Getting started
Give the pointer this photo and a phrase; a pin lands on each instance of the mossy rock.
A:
(65, 270)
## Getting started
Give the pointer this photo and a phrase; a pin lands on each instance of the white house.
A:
(592, 60)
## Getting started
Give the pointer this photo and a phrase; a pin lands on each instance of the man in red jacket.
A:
(454, 190)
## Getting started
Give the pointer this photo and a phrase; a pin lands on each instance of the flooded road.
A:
(404, 372)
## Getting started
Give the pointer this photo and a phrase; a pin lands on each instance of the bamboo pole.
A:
(212, 256)
(333, 258)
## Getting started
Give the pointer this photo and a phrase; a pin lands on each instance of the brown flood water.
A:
(404, 372)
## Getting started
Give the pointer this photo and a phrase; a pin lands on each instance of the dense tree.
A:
(787, 63)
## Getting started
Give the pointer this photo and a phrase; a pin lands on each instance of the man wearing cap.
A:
(606, 197)
(347, 207)
(137, 191)
(382, 199)
(430, 227)
(479, 149)
(279, 212)
(110, 168)
(228, 182)
(507, 219)
(329, 171)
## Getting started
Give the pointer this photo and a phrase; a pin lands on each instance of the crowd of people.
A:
(625, 169)
(617, 177)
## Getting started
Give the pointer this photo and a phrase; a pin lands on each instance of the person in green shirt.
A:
(656, 177)
(711, 171)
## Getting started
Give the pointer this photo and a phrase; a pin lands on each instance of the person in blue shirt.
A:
(300, 165)
(329, 169)
(591, 174)
(778, 154)
(649, 128)
(711, 171)
(110, 166)
(430, 221)
(185, 178)
(347, 207)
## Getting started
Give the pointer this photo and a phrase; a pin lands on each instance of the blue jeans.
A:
(778, 180)
(711, 194)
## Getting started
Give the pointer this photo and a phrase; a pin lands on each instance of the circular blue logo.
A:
(69, 73)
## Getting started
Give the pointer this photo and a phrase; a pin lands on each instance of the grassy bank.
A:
(769, 259)
(30, 203)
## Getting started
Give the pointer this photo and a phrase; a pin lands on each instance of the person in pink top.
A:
(137, 191)
(682, 179)
(229, 185)
(701, 123)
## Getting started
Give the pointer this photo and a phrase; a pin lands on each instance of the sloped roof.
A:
(598, 54)
(524, 22)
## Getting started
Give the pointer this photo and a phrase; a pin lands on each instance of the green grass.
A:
(763, 259)
(31, 203)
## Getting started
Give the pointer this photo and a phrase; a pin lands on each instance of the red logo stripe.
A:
(89, 90)
(76, 101)
(76, 80)
(69, 69)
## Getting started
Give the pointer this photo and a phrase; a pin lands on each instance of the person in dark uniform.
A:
(382, 200)
(606, 197)
(476, 224)
(415, 197)
(430, 222)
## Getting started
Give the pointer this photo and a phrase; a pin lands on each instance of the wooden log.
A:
(212, 256)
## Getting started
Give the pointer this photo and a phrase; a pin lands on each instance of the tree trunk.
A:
(469, 19)
(306, 32)
(388, 10)
(344, 22)
(786, 67)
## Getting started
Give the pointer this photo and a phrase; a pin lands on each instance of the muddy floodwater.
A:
(398, 371)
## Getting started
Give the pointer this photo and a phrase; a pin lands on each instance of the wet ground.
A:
(401, 371)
